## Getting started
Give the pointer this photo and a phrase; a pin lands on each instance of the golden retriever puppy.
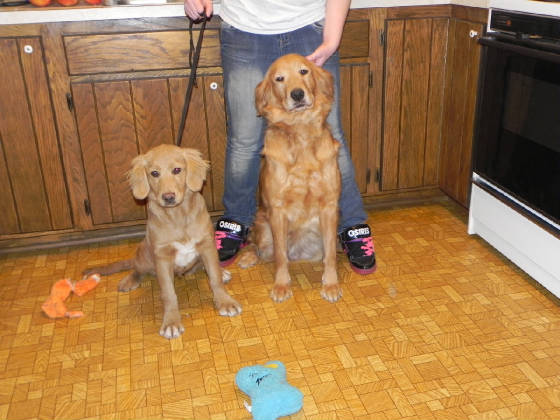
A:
(179, 233)
(300, 178)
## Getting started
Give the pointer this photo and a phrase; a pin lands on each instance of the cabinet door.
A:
(413, 101)
(354, 105)
(33, 188)
(457, 131)
(117, 120)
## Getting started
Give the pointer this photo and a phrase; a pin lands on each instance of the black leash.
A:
(194, 55)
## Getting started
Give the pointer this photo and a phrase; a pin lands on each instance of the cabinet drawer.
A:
(355, 39)
(117, 53)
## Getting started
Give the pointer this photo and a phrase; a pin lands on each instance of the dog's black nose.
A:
(168, 198)
(297, 94)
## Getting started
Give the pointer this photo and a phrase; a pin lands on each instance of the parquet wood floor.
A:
(445, 329)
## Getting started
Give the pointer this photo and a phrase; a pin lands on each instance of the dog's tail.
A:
(111, 268)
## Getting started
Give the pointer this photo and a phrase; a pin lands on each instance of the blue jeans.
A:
(245, 60)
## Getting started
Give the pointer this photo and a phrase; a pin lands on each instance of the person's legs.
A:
(242, 72)
(245, 60)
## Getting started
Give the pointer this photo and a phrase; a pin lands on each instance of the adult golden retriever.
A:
(179, 233)
(300, 178)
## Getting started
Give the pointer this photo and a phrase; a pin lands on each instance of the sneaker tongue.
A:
(357, 232)
(229, 226)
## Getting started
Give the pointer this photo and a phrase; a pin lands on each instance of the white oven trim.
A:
(526, 244)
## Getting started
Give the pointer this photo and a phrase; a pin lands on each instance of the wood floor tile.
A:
(447, 328)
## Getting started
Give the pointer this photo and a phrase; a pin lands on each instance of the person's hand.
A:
(321, 54)
(195, 9)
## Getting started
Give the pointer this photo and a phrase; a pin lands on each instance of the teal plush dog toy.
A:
(271, 395)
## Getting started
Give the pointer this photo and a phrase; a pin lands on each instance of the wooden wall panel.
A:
(216, 120)
(435, 100)
(92, 154)
(392, 101)
(47, 141)
(116, 121)
(151, 113)
(195, 133)
(20, 149)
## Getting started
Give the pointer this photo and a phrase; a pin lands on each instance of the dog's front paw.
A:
(248, 258)
(128, 283)
(171, 327)
(280, 292)
(228, 306)
(331, 292)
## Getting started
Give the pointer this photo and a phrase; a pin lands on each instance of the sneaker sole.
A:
(226, 263)
(364, 271)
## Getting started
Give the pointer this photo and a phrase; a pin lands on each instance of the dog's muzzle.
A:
(299, 101)
(168, 198)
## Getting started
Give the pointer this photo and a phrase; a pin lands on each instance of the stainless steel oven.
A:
(515, 198)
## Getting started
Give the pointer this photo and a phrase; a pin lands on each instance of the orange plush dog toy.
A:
(54, 306)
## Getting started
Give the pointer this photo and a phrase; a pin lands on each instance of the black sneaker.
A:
(230, 237)
(357, 243)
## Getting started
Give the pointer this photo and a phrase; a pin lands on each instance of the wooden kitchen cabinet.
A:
(430, 61)
(355, 76)
(33, 187)
(104, 91)
(413, 101)
(117, 120)
(126, 107)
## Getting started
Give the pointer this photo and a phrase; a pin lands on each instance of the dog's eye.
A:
(175, 171)
(304, 71)
(279, 78)
(155, 174)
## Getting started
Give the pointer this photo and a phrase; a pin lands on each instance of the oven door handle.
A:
(525, 50)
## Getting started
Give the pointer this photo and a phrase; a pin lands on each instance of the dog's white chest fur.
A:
(186, 253)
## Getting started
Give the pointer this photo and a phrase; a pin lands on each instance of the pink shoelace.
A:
(218, 236)
(368, 246)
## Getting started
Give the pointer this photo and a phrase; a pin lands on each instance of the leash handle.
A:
(194, 55)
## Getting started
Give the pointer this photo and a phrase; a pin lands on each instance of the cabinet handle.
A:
(28, 49)
(473, 33)
(70, 102)
(213, 86)
(87, 207)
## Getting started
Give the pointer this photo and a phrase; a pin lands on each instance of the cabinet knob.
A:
(473, 33)
(28, 49)
(213, 86)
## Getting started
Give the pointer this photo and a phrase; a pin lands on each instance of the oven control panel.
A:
(524, 25)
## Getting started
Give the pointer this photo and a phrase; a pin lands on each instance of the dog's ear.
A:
(197, 168)
(138, 179)
(325, 83)
(262, 96)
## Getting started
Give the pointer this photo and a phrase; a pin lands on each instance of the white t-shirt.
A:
(271, 16)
